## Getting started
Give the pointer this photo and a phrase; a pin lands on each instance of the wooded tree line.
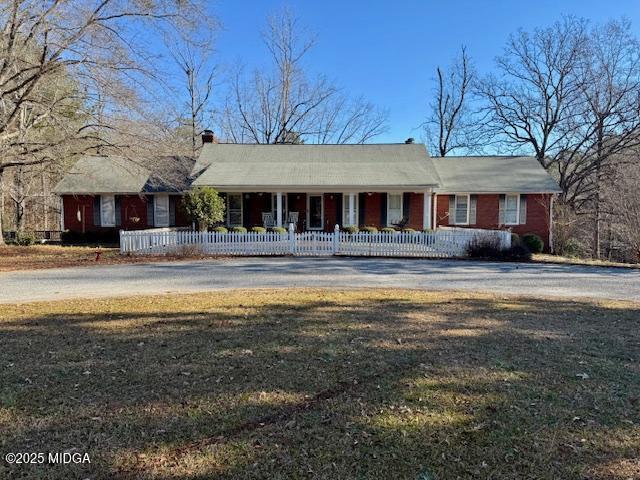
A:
(91, 76)
(570, 95)
(83, 76)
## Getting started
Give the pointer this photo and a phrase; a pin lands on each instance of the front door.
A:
(315, 212)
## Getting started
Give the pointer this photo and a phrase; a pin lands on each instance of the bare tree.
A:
(451, 124)
(284, 105)
(571, 95)
(58, 59)
(193, 56)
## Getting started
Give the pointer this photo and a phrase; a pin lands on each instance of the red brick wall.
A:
(372, 210)
(131, 206)
(487, 210)
(298, 203)
(330, 211)
(416, 210)
(84, 203)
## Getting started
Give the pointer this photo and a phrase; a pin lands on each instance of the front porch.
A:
(322, 211)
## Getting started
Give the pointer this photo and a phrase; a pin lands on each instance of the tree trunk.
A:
(1, 206)
(597, 223)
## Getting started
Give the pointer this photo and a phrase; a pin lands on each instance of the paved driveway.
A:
(527, 279)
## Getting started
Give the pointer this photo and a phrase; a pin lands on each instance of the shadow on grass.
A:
(302, 384)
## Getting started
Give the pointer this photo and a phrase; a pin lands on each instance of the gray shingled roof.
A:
(235, 165)
(113, 174)
(493, 175)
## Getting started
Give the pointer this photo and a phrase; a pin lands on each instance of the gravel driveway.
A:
(116, 280)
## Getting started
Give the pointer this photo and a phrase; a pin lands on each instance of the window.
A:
(161, 212)
(108, 210)
(394, 208)
(512, 209)
(234, 209)
(345, 210)
(462, 210)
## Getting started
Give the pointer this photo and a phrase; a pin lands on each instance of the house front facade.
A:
(315, 187)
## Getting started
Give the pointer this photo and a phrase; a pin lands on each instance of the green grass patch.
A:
(367, 384)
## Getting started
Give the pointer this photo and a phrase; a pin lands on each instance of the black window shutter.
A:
(246, 210)
(406, 203)
(172, 210)
(338, 208)
(383, 209)
(96, 211)
(150, 210)
(361, 202)
(117, 206)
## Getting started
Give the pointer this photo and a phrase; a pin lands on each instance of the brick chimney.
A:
(208, 137)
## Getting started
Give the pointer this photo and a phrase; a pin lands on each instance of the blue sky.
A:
(387, 51)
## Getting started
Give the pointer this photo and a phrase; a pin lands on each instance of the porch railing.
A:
(440, 243)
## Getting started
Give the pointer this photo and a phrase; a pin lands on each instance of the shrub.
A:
(204, 206)
(518, 253)
(484, 247)
(280, 230)
(369, 229)
(238, 230)
(489, 247)
(258, 229)
(352, 229)
(221, 230)
(25, 239)
(572, 248)
(388, 230)
(533, 242)
(409, 230)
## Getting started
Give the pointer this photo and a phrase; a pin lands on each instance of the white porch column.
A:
(426, 211)
(352, 209)
(279, 209)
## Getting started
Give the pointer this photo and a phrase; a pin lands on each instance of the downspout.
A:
(434, 216)
(551, 249)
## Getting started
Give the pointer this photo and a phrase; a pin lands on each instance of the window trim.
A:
(103, 220)
(455, 205)
(401, 195)
(345, 209)
(228, 210)
(155, 211)
(507, 195)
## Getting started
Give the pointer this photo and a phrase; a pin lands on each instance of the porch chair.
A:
(293, 218)
(267, 220)
(402, 223)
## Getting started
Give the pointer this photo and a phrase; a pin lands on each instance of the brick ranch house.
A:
(374, 184)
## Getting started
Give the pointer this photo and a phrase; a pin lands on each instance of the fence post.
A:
(122, 248)
(336, 239)
(292, 239)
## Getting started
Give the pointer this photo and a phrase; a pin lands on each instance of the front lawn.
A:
(13, 257)
(364, 384)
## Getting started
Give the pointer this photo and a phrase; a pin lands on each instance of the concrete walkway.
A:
(511, 278)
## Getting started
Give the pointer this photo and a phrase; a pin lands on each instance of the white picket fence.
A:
(441, 243)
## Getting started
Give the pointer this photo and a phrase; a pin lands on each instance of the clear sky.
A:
(387, 51)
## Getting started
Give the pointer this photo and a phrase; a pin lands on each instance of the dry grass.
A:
(546, 258)
(55, 256)
(370, 384)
